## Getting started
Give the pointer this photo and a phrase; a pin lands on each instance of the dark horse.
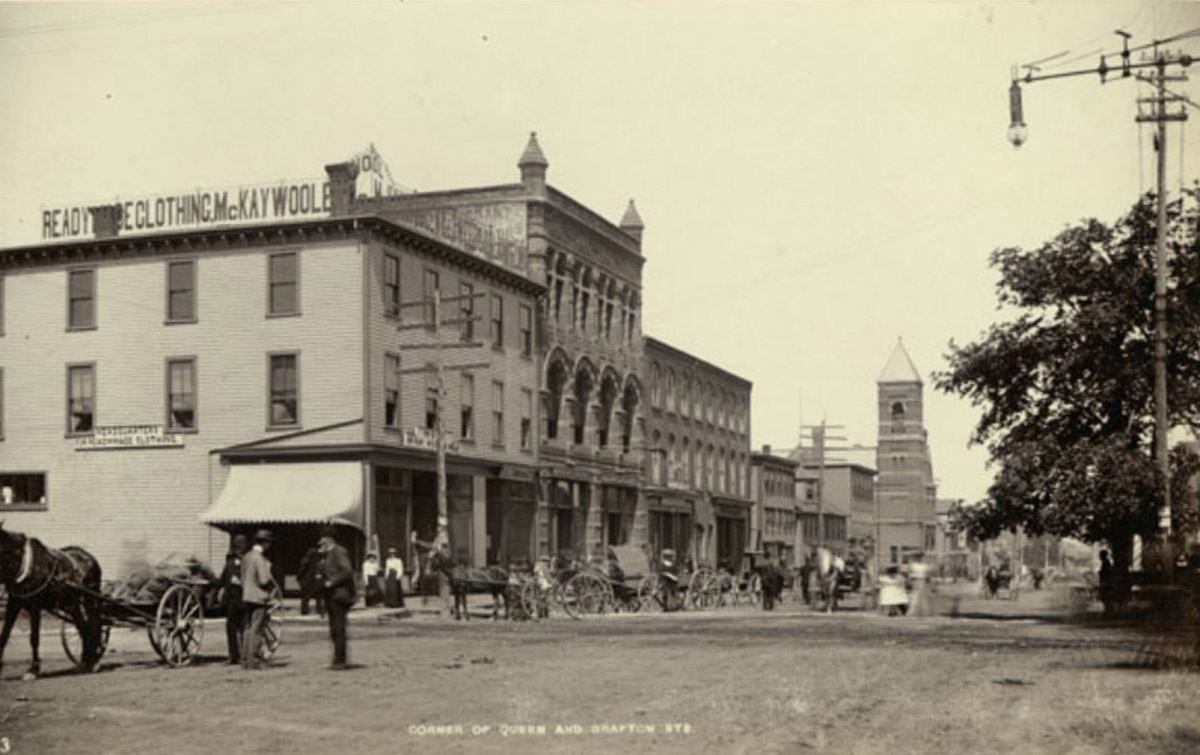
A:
(37, 578)
(466, 581)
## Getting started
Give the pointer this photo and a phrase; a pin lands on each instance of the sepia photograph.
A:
(480, 377)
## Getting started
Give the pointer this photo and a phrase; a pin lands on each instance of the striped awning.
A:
(322, 493)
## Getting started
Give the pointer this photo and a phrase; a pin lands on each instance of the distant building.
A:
(834, 503)
(698, 457)
(774, 522)
(907, 491)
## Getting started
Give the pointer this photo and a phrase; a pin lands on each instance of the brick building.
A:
(907, 491)
(774, 524)
(256, 373)
(588, 346)
(698, 457)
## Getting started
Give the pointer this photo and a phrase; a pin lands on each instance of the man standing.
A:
(256, 593)
(310, 579)
(339, 593)
(231, 596)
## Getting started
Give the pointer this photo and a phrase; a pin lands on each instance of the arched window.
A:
(685, 401)
(671, 403)
(656, 385)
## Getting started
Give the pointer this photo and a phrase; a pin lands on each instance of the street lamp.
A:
(1017, 132)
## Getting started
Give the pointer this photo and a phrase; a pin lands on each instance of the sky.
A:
(817, 180)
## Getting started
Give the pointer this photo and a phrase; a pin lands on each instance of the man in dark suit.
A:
(230, 585)
(311, 579)
(339, 593)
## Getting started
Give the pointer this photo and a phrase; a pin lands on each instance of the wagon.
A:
(171, 608)
(582, 589)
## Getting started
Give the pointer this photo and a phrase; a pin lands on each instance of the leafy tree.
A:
(1066, 383)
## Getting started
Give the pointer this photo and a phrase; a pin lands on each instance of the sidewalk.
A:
(416, 607)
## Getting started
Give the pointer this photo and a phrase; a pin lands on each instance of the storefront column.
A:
(478, 520)
(641, 520)
(368, 493)
(542, 544)
(595, 522)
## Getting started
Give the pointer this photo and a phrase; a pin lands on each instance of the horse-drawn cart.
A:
(168, 601)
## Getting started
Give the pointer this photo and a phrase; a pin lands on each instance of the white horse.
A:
(828, 569)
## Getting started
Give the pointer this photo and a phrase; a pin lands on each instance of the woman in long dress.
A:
(920, 604)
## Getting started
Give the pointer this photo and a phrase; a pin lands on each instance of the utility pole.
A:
(1017, 134)
(818, 435)
(436, 365)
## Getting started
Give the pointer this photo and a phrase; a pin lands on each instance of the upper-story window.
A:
(181, 394)
(685, 402)
(526, 419)
(467, 407)
(432, 397)
(497, 413)
(81, 302)
(526, 325)
(181, 291)
(429, 287)
(466, 310)
(671, 401)
(285, 390)
(391, 285)
(497, 321)
(391, 390)
(81, 398)
(283, 285)
(656, 387)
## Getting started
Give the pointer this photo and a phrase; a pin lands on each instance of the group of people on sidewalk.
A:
(246, 585)
(903, 589)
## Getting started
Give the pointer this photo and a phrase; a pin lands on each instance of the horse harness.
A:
(27, 567)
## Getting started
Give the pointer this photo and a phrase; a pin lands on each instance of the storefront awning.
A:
(329, 492)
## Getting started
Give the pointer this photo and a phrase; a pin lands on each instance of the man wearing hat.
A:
(256, 592)
(230, 585)
(669, 571)
(339, 593)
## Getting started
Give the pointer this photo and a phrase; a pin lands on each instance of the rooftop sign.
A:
(246, 204)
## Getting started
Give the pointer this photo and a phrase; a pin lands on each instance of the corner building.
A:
(258, 375)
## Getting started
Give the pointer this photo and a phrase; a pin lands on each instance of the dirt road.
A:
(736, 680)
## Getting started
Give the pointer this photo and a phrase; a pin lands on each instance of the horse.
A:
(826, 571)
(465, 580)
(37, 578)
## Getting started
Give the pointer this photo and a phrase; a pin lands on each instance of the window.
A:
(526, 325)
(181, 394)
(497, 413)
(391, 390)
(285, 394)
(284, 286)
(497, 321)
(391, 285)
(468, 407)
(429, 288)
(466, 310)
(23, 488)
(432, 394)
(181, 291)
(81, 398)
(526, 419)
(81, 307)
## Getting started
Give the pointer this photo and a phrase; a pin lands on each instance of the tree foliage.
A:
(1066, 384)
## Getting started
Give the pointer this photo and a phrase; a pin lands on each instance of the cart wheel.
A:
(72, 642)
(695, 586)
(648, 594)
(272, 630)
(585, 594)
(178, 626)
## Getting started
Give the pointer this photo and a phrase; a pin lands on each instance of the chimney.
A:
(341, 186)
(533, 166)
(767, 449)
(106, 220)
(631, 223)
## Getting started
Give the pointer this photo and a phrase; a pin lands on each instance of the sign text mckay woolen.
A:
(199, 208)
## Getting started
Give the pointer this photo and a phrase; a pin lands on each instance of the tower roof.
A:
(899, 367)
(632, 219)
(533, 153)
